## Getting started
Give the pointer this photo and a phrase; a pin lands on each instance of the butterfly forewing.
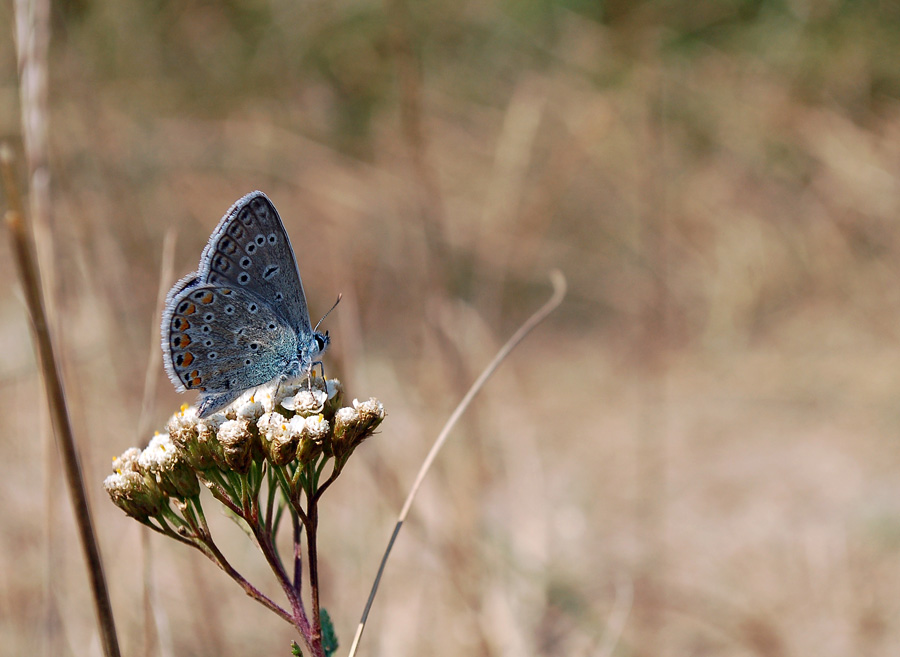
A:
(250, 250)
(223, 338)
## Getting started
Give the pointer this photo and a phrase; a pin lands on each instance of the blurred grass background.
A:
(696, 455)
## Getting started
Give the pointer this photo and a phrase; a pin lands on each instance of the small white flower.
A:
(272, 424)
(117, 481)
(370, 406)
(210, 426)
(279, 437)
(185, 419)
(333, 387)
(158, 454)
(306, 402)
(345, 415)
(316, 427)
(231, 431)
(128, 461)
(250, 409)
(237, 444)
(135, 495)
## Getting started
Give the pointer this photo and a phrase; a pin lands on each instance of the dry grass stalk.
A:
(26, 263)
(559, 292)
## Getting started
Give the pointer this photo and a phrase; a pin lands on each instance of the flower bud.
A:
(208, 439)
(354, 425)
(314, 432)
(237, 444)
(279, 439)
(182, 428)
(164, 462)
(131, 490)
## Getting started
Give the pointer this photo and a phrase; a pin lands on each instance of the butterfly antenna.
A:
(328, 313)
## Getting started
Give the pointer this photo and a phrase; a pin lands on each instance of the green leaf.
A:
(329, 638)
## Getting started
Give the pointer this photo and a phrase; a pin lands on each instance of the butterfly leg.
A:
(312, 366)
(281, 380)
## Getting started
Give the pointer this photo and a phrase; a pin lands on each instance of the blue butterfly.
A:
(241, 320)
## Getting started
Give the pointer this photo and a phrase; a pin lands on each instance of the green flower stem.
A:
(292, 493)
(297, 483)
(279, 512)
(221, 494)
(258, 477)
(236, 484)
(281, 475)
(181, 525)
(190, 517)
(245, 498)
(204, 526)
(270, 501)
(214, 476)
(165, 530)
(319, 468)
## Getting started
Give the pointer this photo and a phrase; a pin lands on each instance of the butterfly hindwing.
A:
(224, 339)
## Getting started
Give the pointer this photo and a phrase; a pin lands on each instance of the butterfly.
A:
(241, 319)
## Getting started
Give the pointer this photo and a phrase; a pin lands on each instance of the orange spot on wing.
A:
(207, 298)
(188, 358)
(190, 310)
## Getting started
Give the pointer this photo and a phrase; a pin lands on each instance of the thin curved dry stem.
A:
(29, 273)
(153, 369)
(559, 292)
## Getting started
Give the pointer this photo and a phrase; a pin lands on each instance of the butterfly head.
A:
(322, 340)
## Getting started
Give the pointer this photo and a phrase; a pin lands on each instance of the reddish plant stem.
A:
(298, 555)
(301, 621)
(213, 554)
(311, 532)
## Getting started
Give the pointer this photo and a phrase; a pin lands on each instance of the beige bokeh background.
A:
(696, 455)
